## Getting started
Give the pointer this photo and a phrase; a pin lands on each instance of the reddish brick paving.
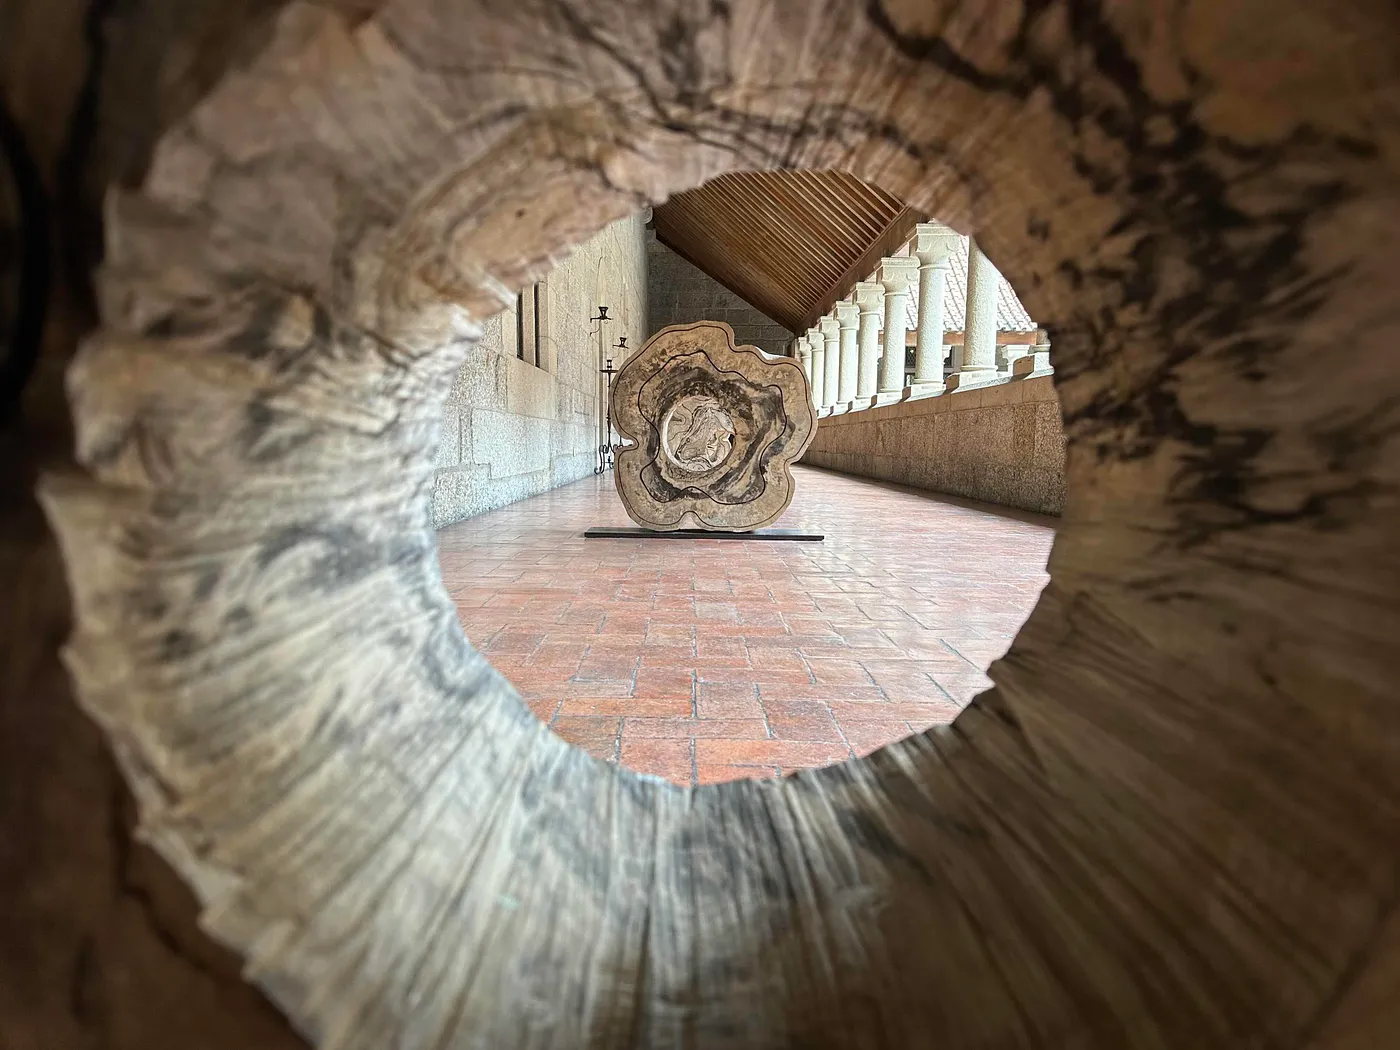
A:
(707, 660)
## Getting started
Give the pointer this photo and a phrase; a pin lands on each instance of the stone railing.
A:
(999, 443)
(855, 356)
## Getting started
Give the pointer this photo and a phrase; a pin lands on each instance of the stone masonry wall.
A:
(1001, 444)
(511, 429)
(679, 293)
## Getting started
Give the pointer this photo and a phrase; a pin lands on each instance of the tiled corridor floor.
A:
(706, 660)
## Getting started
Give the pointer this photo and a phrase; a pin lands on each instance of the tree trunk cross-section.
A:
(715, 431)
(1172, 824)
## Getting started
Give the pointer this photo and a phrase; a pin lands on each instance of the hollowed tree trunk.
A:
(1172, 823)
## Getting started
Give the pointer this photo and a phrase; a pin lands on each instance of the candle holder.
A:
(605, 450)
(602, 458)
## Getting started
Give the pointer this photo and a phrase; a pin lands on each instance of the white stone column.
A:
(847, 315)
(895, 275)
(977, 362)
(933, 243)
(804, 356)
(817, 342)
(870, 300)
(831, 381)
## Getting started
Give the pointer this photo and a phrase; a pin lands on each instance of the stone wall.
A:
(679, 293)
(1002, 443)
(511, 429)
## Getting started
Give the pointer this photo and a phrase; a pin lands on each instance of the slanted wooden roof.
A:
(788, 242)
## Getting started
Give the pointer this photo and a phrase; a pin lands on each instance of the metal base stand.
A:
(621, 532)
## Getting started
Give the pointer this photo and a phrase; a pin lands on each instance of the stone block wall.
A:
(1002, 443)
(679, 293)
(511, 429)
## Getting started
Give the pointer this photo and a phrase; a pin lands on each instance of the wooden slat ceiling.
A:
(788, 242)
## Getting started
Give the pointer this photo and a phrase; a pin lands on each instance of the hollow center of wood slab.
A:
(697, 434)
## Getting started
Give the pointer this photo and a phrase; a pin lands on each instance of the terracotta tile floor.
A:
(707, 660)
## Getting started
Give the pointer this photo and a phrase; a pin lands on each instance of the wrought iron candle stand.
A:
(605, 452)
(602, 455)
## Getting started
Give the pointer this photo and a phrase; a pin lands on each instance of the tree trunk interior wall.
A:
(1172, 823)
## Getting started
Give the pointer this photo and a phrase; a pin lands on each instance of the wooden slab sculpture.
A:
(715, 430)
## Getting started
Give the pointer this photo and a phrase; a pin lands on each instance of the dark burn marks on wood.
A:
(1092, 863)
(1232, 215)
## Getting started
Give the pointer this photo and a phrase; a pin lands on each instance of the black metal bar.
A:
(623, 532)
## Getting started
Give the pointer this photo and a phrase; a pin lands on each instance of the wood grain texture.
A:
(714, 431)
(1172, 823)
